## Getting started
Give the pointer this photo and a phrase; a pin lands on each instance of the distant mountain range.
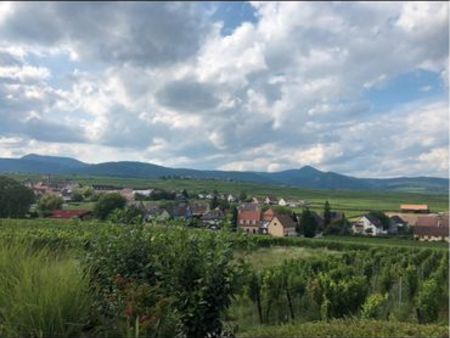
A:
(306, 177)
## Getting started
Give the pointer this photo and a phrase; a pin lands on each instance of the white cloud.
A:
(283, 92)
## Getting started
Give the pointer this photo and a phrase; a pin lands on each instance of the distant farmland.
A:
(352, 203)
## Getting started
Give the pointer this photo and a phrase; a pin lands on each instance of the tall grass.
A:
(42, 294)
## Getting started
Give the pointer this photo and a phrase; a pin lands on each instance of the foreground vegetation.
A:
(104, 279)
(43, 293)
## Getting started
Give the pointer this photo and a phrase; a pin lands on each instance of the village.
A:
(253, 215)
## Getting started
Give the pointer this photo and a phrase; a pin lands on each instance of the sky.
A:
(356, 88)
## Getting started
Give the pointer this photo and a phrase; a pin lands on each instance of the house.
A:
(397, 225)
(41, 189)
(415, 208)
(267, 216)
(201, 196)
(282, 226)
(408, 218)
(282, 202)
(66, 195)
(181, 211)
(257, 200)
(249, 218)
(293, 204)
(231, 198)
(151, 212)
(199, 209)
(368, 225)
(127, 193)
(213, 217)
(210, 196)
(432, 228)
(303, 203)
(143, 192)
(72, 214)
(158, 214)
(104, 188)
(270, 199)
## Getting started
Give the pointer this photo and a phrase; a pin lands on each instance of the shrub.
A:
(107, 203)
(374, 306)
(193, 271)
(49, 202)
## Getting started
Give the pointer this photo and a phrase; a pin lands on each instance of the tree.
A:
(15, 198)
(234, 218)
(242, 196)
(88, 193)
(107, 203)
(345, 225)
(185, 194)
(77, 196)
(130, 215)
(49, 202)
(326, 214)
(254, 291)
(280, 210)
(214, 203)
(341, 227)
(385, 221)
(223, 204)
(308, 223)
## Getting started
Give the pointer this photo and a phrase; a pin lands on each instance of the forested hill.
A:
(307, 177)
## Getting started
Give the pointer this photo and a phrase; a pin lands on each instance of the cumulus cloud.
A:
(160, 82)
(138, 33)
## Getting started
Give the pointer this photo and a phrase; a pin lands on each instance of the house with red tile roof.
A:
(71, 214)
(415, 208)
(432, 228)
(249, 218)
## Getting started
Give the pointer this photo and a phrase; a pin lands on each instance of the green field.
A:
(264, 257)
(352, 203)
(73, 278)
(348, 328)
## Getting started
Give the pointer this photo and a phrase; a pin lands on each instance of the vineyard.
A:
(71, 279)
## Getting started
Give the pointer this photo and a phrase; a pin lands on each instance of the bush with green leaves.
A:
(128, 215)
(373, 308)
(193, 272)
(49, 202)
(107, 203)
